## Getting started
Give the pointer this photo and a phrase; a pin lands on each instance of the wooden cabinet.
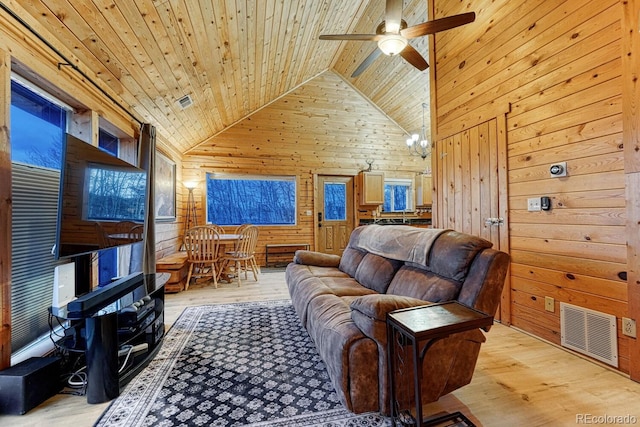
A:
(424, 193)
(371, 187)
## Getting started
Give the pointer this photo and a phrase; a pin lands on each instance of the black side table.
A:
(421, 327)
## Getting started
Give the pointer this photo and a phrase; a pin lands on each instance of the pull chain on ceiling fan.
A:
(393, 35)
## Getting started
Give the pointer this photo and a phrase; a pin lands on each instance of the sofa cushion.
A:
(453, 252)
(375, 272)
(350, 260)
(345, 286)
(418, 283)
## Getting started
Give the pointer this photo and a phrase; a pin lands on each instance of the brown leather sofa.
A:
(343, 301)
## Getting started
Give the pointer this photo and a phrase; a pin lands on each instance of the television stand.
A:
(123, 329)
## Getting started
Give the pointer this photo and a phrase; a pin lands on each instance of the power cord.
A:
(78, 378)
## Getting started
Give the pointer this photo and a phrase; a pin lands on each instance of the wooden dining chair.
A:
(202, 244)
(239, 229)
(218, 228)
(243, 253)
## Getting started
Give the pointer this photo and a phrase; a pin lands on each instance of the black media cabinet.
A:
(120, 328)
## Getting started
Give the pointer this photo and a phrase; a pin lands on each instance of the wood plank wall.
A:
(557, 66)
(631, 126)
(323, 127)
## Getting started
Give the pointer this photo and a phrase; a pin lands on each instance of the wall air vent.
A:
(589, 332)
(185, 102)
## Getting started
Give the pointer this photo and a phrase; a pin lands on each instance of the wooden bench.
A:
(282, 249)
(177, 266)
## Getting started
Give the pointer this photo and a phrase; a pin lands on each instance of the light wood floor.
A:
(519, 380)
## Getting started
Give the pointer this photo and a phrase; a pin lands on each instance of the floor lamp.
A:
(192, 218)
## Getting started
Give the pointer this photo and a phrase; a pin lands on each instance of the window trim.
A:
(256, 177)
(44, 94)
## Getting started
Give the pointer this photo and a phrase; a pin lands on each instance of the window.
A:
(38, 125)
(259, 200)
(335, 201)
(108, 142)
(398, 195)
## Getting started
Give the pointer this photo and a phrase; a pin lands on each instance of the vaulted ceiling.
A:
(232, 57)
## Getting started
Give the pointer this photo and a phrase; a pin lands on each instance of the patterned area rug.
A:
(248, 364)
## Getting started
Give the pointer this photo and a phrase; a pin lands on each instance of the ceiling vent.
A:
(589, 332)
(185, 102)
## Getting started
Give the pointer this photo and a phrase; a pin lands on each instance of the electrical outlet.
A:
(533, 204)
(549, 304)
(629, 327)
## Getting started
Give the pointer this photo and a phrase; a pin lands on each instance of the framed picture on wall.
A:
(165, 188)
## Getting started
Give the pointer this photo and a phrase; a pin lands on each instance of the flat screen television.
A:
(101, 203)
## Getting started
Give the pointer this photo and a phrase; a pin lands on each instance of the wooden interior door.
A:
(470, 169)
(334, 213)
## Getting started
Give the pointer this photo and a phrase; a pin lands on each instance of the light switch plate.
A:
(549, 304)
(533, 204)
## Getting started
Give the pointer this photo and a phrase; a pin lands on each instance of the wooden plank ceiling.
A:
(233, 57)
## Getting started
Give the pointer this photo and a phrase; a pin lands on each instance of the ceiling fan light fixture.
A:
(392, 44)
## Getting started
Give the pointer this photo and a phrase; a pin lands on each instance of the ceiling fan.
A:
(393, 35)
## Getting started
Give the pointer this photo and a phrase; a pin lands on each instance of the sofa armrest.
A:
(369, 313)
(317, 259)
(376, 306)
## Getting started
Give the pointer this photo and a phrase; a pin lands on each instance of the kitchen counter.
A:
(418, 222)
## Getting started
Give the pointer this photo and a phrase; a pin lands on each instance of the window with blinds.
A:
(34, 213)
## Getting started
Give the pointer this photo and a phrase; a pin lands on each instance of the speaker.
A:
(29, 383)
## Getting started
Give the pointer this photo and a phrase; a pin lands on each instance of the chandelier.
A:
(418, 143)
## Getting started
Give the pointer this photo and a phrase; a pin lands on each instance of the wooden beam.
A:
(5, 211)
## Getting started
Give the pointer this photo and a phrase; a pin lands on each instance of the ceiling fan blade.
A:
(437, 25)
(368, 61)
(393, 16)
(362, 37)
(414, 58)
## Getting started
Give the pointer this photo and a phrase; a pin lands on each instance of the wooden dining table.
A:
(225, 239)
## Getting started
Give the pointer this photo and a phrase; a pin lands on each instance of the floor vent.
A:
(589, 332)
